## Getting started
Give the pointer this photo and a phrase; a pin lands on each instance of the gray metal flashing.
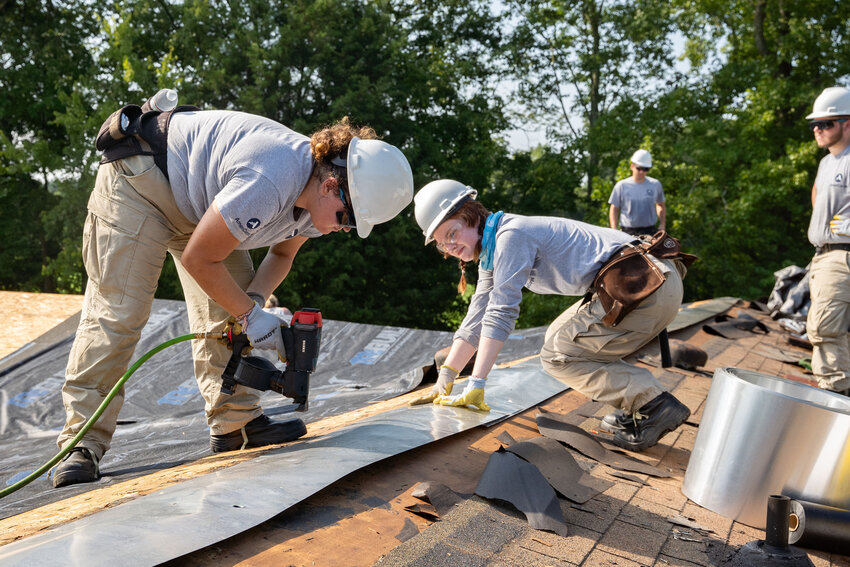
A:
(193, 514)
(761, 435)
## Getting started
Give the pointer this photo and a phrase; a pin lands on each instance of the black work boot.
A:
(258, 432)
(652, 421)
(617, 421)
(80, 465)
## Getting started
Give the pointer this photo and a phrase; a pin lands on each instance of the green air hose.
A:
(49, 464)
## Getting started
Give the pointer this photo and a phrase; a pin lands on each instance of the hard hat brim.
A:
(456, 203)
(818, 115)
(364, 225)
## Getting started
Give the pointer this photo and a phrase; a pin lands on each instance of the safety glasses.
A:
(345, 217)
(825, 124)
(451, 238)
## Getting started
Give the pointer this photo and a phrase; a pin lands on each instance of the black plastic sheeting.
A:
(162, 422)
(790, 295)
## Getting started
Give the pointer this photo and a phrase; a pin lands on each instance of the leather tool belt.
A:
(629, 277)
(130, 131)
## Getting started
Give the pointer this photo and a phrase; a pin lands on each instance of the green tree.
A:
(420, 73)
(742, 160)
(727, 134)
(44, 55)
(584, 70)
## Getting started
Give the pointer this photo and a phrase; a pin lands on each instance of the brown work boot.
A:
(80, 465)
(652, 421)
(259, 432)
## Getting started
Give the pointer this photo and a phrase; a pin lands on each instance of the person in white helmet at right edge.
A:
(585, 346)
(829, 231)
(637, 202)
(227, 182)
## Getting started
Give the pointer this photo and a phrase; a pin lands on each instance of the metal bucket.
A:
(762, 435)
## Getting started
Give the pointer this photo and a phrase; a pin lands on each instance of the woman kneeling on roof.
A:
(551, 255)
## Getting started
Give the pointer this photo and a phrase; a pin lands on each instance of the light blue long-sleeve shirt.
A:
(547, 255)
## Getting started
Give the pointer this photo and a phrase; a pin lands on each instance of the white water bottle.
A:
(163, 101)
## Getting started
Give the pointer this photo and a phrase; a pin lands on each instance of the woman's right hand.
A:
(443, 387)
(263, 330)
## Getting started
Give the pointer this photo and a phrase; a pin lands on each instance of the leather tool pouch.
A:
(630, 277)
(664, 246)
(129, 131)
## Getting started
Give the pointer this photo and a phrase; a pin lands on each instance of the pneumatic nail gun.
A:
(301, 341)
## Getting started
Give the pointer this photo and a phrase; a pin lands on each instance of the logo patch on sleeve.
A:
(253, 223)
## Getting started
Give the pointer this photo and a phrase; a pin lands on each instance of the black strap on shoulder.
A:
(130, 132)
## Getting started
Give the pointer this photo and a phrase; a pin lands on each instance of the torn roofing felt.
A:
(439, 496)
(201, 511)
(735, 328)
(555, 427)
(786, 355)
(698, 311)
(559, 467)
(162, 421)
(509, 478)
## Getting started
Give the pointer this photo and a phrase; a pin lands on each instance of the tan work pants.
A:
(829, 319)
(133, 221)
(584, 353)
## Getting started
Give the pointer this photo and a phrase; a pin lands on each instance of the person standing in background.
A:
(829, 232)
(637, 202)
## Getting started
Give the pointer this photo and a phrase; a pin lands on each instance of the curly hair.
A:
(332, 142)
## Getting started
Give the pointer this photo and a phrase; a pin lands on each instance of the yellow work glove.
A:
(840, 225)
(471, 397)
(445, 380)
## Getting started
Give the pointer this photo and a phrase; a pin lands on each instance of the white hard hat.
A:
(380, 182)
(642, 158)
(437, 201)
(833, 101)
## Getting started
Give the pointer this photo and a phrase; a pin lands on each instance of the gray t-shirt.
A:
(547, 255)
(636, 201)
(833, 198)
(252, 167)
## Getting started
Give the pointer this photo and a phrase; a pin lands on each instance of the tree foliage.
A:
(716, 89)
(585, 67)
(743, 161)
(42, 59)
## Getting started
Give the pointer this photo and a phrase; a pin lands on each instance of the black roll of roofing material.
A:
(816, 526)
